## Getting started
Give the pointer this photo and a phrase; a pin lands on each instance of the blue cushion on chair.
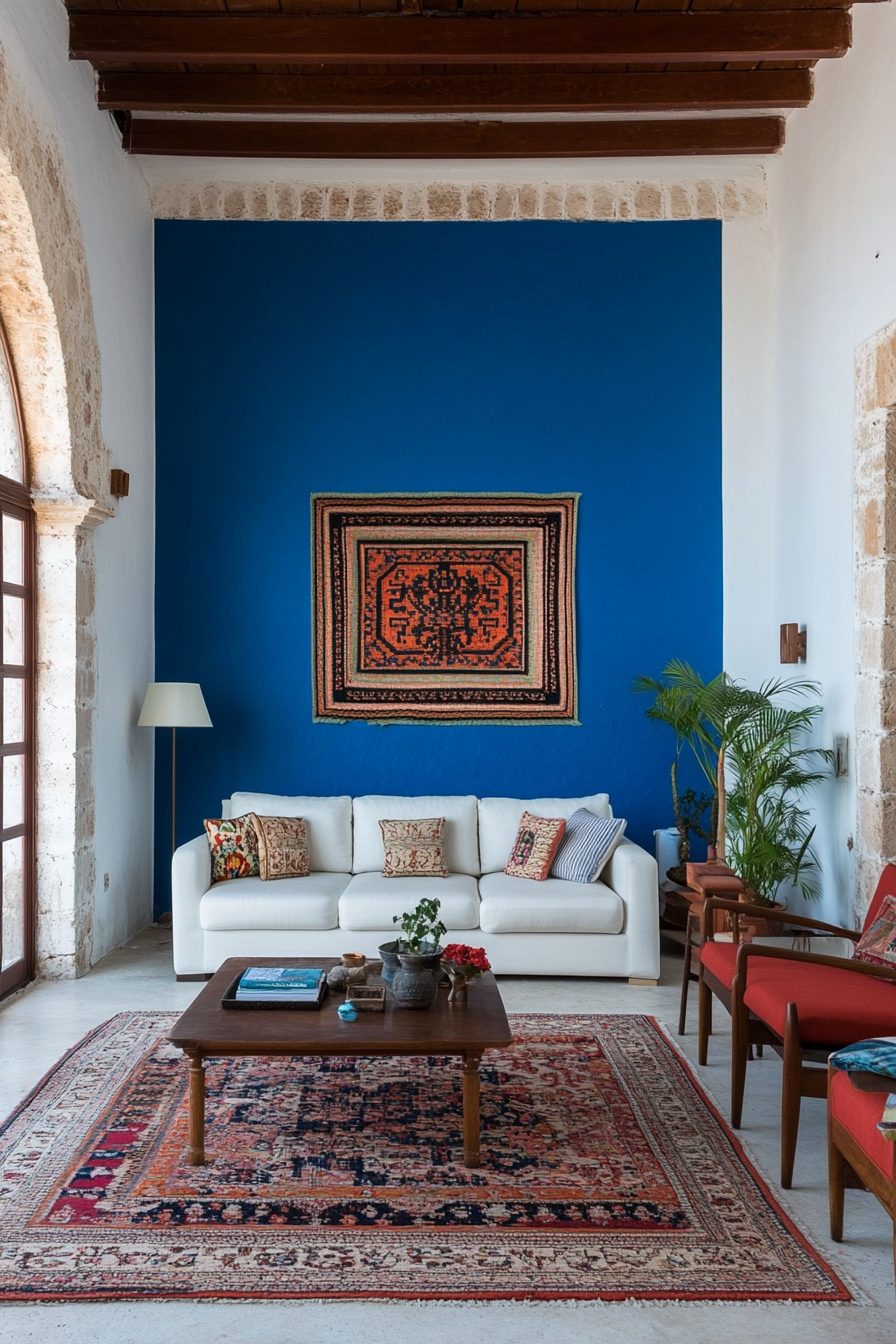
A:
(586, 846)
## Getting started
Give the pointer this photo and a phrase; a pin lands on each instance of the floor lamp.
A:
(174, 704)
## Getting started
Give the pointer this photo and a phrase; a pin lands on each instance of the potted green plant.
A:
(762, 830)
(416, 981)
(678, 707)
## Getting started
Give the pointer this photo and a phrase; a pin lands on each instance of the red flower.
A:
(465, 956)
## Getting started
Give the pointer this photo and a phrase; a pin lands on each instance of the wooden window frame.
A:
(15, 499)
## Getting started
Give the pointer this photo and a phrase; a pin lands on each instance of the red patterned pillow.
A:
(878, 944)
(536, 843)
(234, 848)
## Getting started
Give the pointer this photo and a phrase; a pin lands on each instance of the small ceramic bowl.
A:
(347, 1012)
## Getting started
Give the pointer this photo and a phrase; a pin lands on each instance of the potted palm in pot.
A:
(756, 740)
(679, 708)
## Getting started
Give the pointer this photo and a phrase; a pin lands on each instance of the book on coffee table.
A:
(277, 987)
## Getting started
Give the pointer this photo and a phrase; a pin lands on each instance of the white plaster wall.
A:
(832, 213)
(112, 200)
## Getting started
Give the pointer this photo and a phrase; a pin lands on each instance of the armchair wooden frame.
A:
(802, 1077)
(850, 1168)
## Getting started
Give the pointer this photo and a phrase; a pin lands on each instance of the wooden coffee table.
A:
(466, 1030)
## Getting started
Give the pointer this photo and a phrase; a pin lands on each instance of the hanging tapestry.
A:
(435, 608)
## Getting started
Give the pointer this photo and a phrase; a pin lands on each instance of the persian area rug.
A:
(444, 608)
(606, 1174)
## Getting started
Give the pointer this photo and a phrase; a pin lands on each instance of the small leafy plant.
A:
(422, 928)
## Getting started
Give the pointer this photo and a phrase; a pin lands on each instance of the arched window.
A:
(17, 931)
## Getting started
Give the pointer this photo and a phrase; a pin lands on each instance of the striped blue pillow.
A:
(586, 846)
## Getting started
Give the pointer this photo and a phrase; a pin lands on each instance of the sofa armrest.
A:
(191, 878)
(632, 874)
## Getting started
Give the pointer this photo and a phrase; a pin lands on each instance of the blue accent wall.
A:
(296, 358)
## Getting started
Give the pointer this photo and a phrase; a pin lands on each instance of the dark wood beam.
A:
(451, 139)
(586, 39)
(517, 91)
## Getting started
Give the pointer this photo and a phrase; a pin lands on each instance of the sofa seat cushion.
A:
(553, 906)
(370, 900)
(291, 903)
(836, 1007)
(499, 821)
(459, 834)
(859, 1112)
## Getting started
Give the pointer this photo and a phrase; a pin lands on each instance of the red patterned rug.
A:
(606, 1174)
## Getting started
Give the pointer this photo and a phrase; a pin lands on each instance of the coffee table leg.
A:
(197, 1111)
(471, 1109)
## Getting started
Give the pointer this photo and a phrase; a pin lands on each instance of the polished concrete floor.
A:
(42, 1022)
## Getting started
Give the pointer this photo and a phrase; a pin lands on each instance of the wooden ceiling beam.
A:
(451, 139)
(519, 91)
(586, 39)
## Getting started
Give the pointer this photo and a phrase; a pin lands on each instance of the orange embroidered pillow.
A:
(282, 847)
(536, 843)
(878, 944)
(234, 848)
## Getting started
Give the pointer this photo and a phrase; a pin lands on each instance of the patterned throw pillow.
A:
(282, 846)
(878, 944)
(535, 846)
(587, 845)
(234, 847)
(414, 847)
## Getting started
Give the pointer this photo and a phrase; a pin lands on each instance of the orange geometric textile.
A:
(444, 607)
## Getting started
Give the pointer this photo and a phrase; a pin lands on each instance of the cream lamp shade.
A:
(174, 704)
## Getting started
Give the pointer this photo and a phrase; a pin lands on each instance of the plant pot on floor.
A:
(416, 982)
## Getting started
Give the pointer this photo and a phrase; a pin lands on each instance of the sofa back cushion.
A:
(499, 821)
(461, 846)
(328, 825)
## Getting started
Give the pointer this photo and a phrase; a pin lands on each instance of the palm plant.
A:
(770, 832)
(678, 707)
(761, 830)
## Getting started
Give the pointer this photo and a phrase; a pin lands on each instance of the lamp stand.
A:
(173, 790)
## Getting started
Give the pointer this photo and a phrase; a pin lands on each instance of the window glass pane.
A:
(10, 440)
(13, 709)
(13, 629)
(13, 563)
(13, 901)
(13, 791)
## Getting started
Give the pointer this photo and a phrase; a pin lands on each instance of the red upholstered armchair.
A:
(859, 1157)
(803, 1004)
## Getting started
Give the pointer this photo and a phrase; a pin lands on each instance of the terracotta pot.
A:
(771, 927)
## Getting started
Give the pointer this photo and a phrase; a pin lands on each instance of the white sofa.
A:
(609, 927)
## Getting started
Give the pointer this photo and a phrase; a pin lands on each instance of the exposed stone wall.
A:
(606, 200)
(875, 579)
(47, 311)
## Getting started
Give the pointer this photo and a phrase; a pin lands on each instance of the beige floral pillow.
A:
(414, 848)
(282, 846)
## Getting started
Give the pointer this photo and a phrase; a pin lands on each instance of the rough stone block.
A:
(444, 201)
(504, 202)
(366, 203)
(477, 204)
(393, 203)
(552, 202)
(648, 201)
(527, 198)
(603, 201)
(312, 206)
(578, 204)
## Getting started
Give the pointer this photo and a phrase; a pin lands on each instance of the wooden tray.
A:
(283, 1006)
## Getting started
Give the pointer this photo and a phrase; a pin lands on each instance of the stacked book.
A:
(281, 984)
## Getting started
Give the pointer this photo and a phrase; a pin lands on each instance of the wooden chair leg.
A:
(685, 986)
(704, 1025)
(740, 1044)
(837, 1168)
(791, 1093)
